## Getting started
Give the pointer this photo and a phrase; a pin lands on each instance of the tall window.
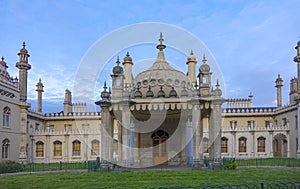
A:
(233, 124)
(261, 144)
(224, 145)
(205, 145)
(95, 148)
(6, 114)
(242, 144)
(76, 148)
(57, 148)
(250, 124)
(39, 149)
(267, 124)
(5, 148)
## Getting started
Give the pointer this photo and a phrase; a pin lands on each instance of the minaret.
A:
(279, 86)
(118, 78)
(68, 102)
(23, 67)
(127, 69)
(191, 62)
(40, 90)
(297, 60)
(204, 78)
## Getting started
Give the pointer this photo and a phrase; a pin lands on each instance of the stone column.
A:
(131, 144)
(197, 127)
(271, 143)
(189, 141)
(106, 135)
(215, 134)
(298, 127)
(120, 142)
(48, 149)
(23, 123)
(125, 134)
(66, 148)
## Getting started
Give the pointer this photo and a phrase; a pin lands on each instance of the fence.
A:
(287, 185)
(226, 163)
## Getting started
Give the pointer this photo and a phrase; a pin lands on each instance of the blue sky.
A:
(252, 41)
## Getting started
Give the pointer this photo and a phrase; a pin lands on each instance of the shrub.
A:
(11, 167)
(229, 164)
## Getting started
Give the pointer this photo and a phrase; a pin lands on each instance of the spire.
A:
(204, 59)
(161, 47)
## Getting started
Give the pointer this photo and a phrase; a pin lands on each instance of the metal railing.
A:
(286, 185)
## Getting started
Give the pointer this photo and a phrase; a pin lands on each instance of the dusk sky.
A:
(252, 41)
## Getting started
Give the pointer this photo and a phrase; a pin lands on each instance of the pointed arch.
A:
(261, 144)
(57, 148)
(242, 144)
(5, 148)
(39, 149)
(6, 116)
(76, 147)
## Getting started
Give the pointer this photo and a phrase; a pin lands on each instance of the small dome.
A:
(161, 93)
(192, 57)
(204, 68)
(138, 94)
(117, 69)
(173, 93)
(149, 92)
(105, 94)
(3, 63)
(127, 58)
(218, 92)
(24, 50)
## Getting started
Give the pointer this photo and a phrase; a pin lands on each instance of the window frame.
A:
(39, 149)
(76, 148)
(242, 145)
(57, 148)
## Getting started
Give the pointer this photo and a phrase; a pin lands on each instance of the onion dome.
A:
(192, 57)
(3, 63)
(117, 69)
(173, 93)
(204, 67)
(138, 93)
(161, 93)
(24, 50)
(149, 92)
(105, 94)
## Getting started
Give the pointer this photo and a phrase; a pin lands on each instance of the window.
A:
(57, 148)
(39, 149)
(250, 124)
(205, 145)
(284, 122)
(6, 114)
(76, 148)
(5, 148)
(224, 145)
(261, 144)
(296, 121)
(267, 124)
(242, 144)
(233, 124)
(95, 148)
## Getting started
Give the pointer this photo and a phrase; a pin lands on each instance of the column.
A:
(106, 135)
(48, 148)
(120, 142)
(125, 134)
(198, 136)
(131, 144)
(189, 141)
(271, 143)
(298, 127)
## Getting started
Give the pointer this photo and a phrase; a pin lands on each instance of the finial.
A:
(118, 61)
(2, 58)
(104, 86)
(217, 85)
(40, 80)
(192, 53)
(127, 54)
(161, 38)
(204, 58)
(278, 75)
(24, 45)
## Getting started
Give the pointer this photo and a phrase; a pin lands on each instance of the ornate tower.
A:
(118, 77)
(40, 90)
(297, 60)
(279, 86)
(204, 78)
(23, 67)
(128, 69)
(191, 62)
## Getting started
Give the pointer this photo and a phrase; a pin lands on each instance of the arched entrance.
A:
(160, 148)
(280, 145)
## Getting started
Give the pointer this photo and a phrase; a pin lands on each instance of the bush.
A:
(11, 167)
(229, 164)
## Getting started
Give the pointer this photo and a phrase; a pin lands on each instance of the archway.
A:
(160, 148)
(280, 145)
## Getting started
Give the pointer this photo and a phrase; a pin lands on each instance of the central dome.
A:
(162, 76)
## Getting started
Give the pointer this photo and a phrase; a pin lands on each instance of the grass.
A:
(149, 179)
(291, 162)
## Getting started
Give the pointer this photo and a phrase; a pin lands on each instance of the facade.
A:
(161, 115)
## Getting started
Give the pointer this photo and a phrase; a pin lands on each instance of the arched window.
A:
(57, 150)
(6, 115)
(224, 145)
(205, 145)
(39, 149)
(261, 144)
(76, 148)
(95, 148)
(5, 148)
(242, 144)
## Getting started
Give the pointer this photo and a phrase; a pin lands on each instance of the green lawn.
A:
(149, 179)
